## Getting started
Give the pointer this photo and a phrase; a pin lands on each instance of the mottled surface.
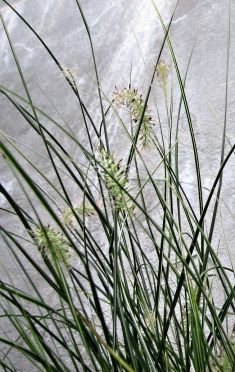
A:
(123, 36)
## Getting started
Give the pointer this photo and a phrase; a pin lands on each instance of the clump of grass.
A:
(224, 363)
(139, 295)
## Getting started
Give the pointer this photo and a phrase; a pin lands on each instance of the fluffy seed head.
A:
(51, 243)
(162, 72)
(132, 100)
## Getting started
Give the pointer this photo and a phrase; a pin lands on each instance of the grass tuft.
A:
(127, 278)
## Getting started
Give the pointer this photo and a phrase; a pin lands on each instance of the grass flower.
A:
(83, 208)
(115, 179)
(71, 73)
(162, 72)
(51, 243)
(150, 320)
(133, 101)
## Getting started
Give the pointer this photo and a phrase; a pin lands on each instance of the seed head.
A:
(150, 320)
(115, 180)
(71, 73)
(68, 214)
(134, 102)
(51, 243)
(162, 72)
